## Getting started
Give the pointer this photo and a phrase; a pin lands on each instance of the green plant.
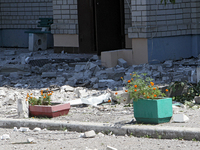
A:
(147, 136)
(44, 99)
(142, 87)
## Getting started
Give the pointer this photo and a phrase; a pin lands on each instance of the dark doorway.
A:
(101, 25)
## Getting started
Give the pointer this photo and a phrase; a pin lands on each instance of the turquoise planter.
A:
(153, 111)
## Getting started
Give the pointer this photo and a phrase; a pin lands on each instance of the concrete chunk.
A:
(89, 134)
(36, 129)
(24, 129)
(1, 77)
(10, 52)
(5, 137)
(48, 74)
(168, 63)
(22, 108)
(79, 68)
(110, 148)
(180, 118)
(121, 62)
(14, 75)
(30, 140)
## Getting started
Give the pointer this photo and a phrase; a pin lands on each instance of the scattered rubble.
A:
(80, 83)
(89, 134)
(24, 129)
(54, 69)
(110, 148)
(180, 118)
(36, 129)
(5, 137)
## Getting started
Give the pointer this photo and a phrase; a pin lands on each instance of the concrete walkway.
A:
(164, 132)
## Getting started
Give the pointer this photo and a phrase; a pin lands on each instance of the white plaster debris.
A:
(15, 129)
(89, 134)
(36, 129)
(81, 135)
(30, 140)
(5, 137)
(24, 129)
(110, 148)
(22, 108)
(94, 100)
(180, 118)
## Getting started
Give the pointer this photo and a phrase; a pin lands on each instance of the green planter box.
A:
(153, 111)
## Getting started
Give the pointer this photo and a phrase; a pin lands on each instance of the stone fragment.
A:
(2, 93)
(15, 68)
(94, 80)
(30, 140)
(60, 69)
(67, 88)
(193, 77)
(96, 86)
(18, 85)
(22, 108)
(165, 78)
(79, 68)
(102, 74)
(65, 66)
(122, 96)
(37, 129)
(24, 129)
(1, 77)
(11, 99)
(175, 109)
(156, 74)
(106, 83)
(160, 69)
(5, 137)
(180, 118)
(121, 62)
(116, 75)
(101, 134)
(87, 74)
(110, 148)
(97, 68)
(60, 79)
(81, 93)
(89, 134)
(95, 57)
(15, 129)
(71, 82)
(10, 52)
(49, 74)
(14, 75)
(197, 99)
(168, 63)
(153, 67)
(68, 75)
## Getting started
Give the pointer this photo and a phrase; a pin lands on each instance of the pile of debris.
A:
(44, 68)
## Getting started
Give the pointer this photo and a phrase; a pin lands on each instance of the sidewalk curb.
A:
(164, 132)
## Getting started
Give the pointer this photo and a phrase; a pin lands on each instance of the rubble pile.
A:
(17, 71)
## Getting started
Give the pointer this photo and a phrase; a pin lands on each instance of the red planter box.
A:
(49, 111)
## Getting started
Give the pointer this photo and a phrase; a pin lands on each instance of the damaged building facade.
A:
(153, 31)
